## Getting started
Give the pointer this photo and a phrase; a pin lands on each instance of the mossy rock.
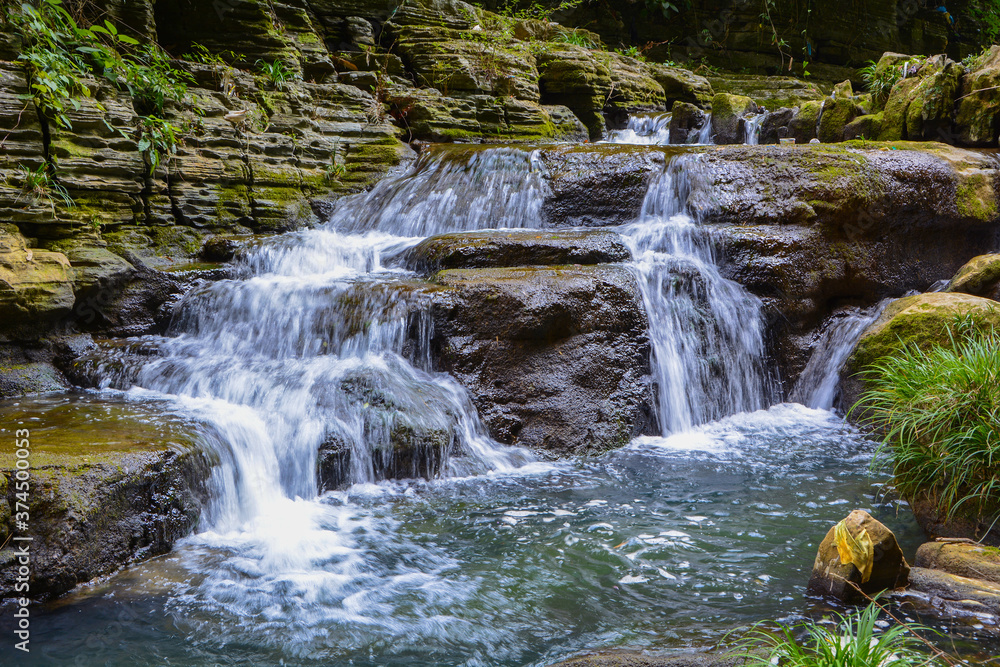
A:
(979, 277)
(110, 484)
(803, 127)
(924, 321)
(978, 111)
(864, 127)
(837, 113)
(681, 85)
(728, 117)
(894, 115)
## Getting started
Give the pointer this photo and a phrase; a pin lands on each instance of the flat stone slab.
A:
(522, 247)
(108, 484)
(962, 558)
(956, 594)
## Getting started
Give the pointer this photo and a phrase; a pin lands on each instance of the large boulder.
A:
(555, 358)
(108, 485)
(805, 124)
(686, 122)
(920, 105)
(978, 115)
(980, 276)
(858, 555)
(837, 114)
(729, 113)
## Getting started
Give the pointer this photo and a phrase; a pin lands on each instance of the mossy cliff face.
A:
(108, 485)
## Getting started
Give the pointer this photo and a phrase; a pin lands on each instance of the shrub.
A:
(275, 73)
(856, 641)
(940, 410)
(38, 185)
(157, 141)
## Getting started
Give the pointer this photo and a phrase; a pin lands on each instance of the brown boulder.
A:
(831, 576)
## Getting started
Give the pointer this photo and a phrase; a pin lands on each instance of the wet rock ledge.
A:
(110, 484)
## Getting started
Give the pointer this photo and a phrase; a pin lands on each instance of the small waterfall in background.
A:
(751, 129)
(817, 385)
(707, 332)
(644, 130)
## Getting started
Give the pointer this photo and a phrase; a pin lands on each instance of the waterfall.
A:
(817, 385)
(323, 340)
(751, 129)
(707, 332)
(650, 130)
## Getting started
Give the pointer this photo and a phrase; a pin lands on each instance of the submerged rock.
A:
(496, 249)
(406, 432)
(555, 358)
(108, 486)
(954, 594)
(884, 566)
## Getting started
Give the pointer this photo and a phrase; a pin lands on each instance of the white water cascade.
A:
(644, 130)
(817, 385)
(707, 332)
(322, 340)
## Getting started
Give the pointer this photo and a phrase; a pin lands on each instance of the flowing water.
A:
(817, 385)
(654, 130)
(501, 559)
(648, 130)
(707, 332)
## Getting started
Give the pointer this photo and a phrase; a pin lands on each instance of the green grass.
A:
(939, 409)
(856, 641)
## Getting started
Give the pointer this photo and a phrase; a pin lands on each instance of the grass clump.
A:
(855, 641)
(939, 409)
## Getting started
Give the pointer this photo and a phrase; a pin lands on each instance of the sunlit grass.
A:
(855, 641)
(939, 411)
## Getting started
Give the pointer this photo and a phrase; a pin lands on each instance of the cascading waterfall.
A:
(644, 130)
(707, 332)
(314, 343)
(817, 385)
(324, 338)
